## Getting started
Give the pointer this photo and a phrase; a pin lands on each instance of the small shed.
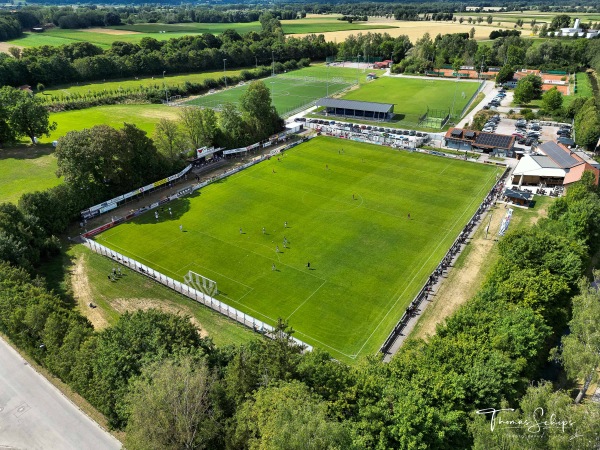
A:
(518, 197)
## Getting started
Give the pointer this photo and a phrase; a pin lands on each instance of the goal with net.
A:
(201, 283)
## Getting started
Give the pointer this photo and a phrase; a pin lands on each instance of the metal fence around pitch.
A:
(184, 289)
(479, 89)
(443, 266)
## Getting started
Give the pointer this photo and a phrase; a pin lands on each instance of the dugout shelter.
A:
(356, 109)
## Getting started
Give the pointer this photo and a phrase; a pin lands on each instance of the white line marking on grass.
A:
(419, 270)
(307, 299)
(326, 345)
(447, 165)
(221, 275)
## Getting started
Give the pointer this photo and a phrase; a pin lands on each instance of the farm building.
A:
(357, 109)
(555, 166)
(495, 144)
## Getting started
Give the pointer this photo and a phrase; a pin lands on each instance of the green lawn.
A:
(412, 96)
(288, 93)
(367, 259)
(132, 83)
(323, 72)
(143, 116)
(26, 169)
(584, 87)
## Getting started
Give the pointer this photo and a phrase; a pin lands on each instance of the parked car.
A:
(412, 132)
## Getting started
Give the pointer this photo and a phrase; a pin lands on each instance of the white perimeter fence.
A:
(184, 289)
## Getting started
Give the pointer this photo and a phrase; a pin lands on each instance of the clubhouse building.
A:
(492, 143)
(553, 165)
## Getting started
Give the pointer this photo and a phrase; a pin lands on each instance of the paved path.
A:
(34, 414)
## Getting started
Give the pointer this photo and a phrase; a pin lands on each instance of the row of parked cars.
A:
(527, 134)
(491, 125)
(358, 128)
(495, 102)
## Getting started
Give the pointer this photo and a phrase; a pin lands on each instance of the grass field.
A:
(132, 83)
(412, 96)
(143, 116)
(104, 38)
(26, 169)
(288, 93)
(367, 258)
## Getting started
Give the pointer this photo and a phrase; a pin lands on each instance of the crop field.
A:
(26, 170)
(143, 116)
(131, 83)
(412, 96)
(162, 32)
(287, 93)
(347, 213)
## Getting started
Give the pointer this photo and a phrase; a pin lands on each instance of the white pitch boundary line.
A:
(421, 268)
(307, 299)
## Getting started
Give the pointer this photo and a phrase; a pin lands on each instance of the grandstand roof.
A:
(355, 104)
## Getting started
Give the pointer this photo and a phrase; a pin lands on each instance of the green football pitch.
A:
(346, 205)
(287, 92)
(412, 96)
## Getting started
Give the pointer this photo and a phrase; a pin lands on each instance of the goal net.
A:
(201, 283)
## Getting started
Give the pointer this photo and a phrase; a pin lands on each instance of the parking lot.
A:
(547, 131)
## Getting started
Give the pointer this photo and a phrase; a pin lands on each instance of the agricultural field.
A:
(131, 83)
(144, 116)
(288, 93)
(26, 169)
(347, 214)
(104, 37)
(412, 96)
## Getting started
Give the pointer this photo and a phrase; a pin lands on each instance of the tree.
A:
(168, 138)
(506, 73)
(109, 360)
(29, 117)
(524, 92)
(200, 125)
(232, 126)
(472, 32)
(580, 352)
(258, 112)
(489, 19)
(552, 100)
(457, 64)
(287, 417)
(560, 21)
(172, 406)
(587, 124)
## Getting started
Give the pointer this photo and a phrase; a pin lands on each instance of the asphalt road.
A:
(35, 415)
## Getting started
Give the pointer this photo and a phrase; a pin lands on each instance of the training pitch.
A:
(287, 92)
(412, 96)
(347, 214)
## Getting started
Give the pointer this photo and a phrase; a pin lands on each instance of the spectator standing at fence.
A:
(156, 215)
(170, 212)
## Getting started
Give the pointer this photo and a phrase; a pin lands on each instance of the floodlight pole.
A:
(358, 68)
(273, 63)
(327, 80)
(256, 61)
(224, 72)
(165, 84)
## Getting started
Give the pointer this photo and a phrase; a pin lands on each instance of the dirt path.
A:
(4, 46)
(83, 294)
(462, 283)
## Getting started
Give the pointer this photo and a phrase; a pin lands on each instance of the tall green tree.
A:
(287, 417)
(587, 125)
(233, 127)
(173, 406)
(169, 139)
(258, 112)
(580, 351)
(524, 92)
(29, 117)
(552, 100)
